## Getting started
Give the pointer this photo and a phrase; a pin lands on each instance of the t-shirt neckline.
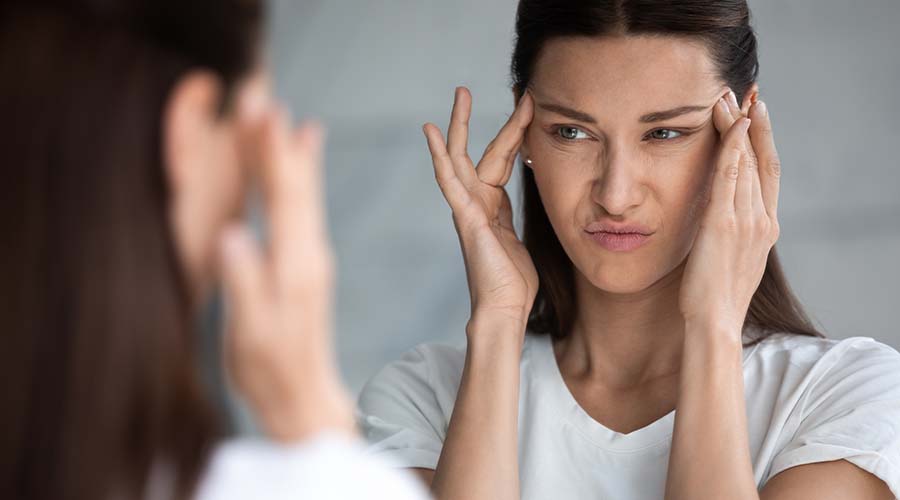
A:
(651, 436)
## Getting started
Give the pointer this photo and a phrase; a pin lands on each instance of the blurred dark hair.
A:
(724, 27)
(100, 385)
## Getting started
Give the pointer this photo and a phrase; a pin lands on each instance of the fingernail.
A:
(733, 99)
(746, 123)
(723, 104)
(763, 111)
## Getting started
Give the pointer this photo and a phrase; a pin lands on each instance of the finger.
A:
(743, 196)
(496, 164)
(728, 168)
(454, 191)
(767, 156)
(243, 280)
(458, 136)
(274, 160)
(756, 199)
(723, 119)
(749, 99)
(296, 213)
(308, 149)
(733, 107)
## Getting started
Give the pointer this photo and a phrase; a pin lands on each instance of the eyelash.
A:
(558, 129)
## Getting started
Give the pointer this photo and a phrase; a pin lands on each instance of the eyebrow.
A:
(656, 116)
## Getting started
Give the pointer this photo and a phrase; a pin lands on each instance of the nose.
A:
(618, 187)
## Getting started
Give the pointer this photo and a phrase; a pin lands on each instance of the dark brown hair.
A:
(100, 385)
(724, 27)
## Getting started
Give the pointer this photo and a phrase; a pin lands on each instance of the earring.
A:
(528, 161)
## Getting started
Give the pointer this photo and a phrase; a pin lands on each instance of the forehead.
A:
(626, 75)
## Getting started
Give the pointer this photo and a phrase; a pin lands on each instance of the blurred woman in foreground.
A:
(129, 133)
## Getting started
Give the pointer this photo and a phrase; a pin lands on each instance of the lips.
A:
(618, 236)
(617, 228)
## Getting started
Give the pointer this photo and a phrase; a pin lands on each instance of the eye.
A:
(664, 134)
(571, 133)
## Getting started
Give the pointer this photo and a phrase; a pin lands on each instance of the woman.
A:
(129, 128)
(642, 341)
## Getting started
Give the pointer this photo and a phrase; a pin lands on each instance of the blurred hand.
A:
(501, 276)
(278, 345)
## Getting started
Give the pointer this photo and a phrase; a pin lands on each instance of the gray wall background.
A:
(373, 72)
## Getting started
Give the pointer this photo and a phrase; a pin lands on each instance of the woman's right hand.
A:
(501, 275)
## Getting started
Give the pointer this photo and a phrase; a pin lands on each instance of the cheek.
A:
(563, 181)
(684, 193)
(563, 173)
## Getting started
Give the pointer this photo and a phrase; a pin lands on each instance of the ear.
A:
(523, 149)
(750, 98)
(189, 117)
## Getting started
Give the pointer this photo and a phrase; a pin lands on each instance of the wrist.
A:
(496, 324)
(714, 331)
(321, 408)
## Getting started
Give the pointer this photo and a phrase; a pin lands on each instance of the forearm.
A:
(479, 459)
(710, 456)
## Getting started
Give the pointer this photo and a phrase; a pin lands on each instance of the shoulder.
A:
(427, 368)
(822, 355)
(405, 409)
(314, 468)
(436, 368)
(821, 375)
(834, 399)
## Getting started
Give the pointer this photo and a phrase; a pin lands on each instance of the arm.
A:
(479, 457)
(710, 455)
(480, 454)
(834, 480)
(711, 405)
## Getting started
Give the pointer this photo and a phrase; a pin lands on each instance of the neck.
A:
(625, 340)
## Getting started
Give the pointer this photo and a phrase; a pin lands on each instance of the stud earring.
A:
(528, 161)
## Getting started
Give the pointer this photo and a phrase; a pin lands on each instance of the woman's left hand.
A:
(740, 224)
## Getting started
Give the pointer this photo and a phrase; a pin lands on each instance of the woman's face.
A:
(607, 152)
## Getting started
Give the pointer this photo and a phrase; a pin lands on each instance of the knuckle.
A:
(761, 229)
(750, 162)
(774, 166)
(460, 156)
(725, 222)
(731, 171)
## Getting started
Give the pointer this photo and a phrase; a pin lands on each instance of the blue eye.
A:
(667, 135)
(571, 133)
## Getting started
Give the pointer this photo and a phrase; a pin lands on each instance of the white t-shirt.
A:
(327, 467)
(808, 400)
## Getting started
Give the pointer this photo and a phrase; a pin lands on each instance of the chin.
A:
(621, 278)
